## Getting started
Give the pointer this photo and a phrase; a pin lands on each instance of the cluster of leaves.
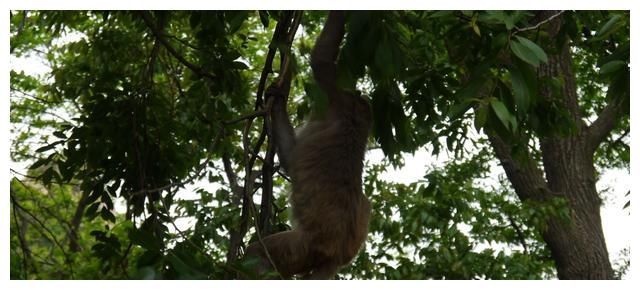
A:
(149, 93)
(453, 228)
(42, 230)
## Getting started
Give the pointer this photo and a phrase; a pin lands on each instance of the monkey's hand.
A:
(274, 91)
(278, 94)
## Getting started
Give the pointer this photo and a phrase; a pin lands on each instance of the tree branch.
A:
(520, 234)
(148, 20)
(290, 21)
(199, 169)
(236, 190)
(44, 227)
(527, 179)
(539, 23)
(26, 252)
(253, 115)
(598, 131)
(76, 222)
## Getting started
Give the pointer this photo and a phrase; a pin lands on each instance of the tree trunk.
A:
(76, 221)
(577, 246)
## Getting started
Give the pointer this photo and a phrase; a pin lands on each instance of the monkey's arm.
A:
(325, 52)
(283, 133)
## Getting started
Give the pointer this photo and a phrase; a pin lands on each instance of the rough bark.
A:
(577, 246)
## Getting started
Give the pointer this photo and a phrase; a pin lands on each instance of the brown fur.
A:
(330, 212)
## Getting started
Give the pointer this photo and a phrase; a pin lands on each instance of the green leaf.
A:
(107, 215)
(59, 134)
(502, 112)
(476, 29)
(612, 66)
(481, 117)
(521, 91)
(532, 46)
(49, 147)
(608, 27)
(91, 210)
(384, 59)
(145, 239)
(39, 163)
(508, 22)
(439, 14)
(524, 53)
(239, 65)
(236, 20)
(459, 109)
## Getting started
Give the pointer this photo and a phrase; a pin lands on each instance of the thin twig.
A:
(181, 233)
(19, 29)
(255, 114)
(122, 263)
(23, 175)
(539, 23)
(519, 233)
(268, 165)
(53, 237)
(236, 190)
(148, 20)
(619, 139)
(23, 244)
(200, 167)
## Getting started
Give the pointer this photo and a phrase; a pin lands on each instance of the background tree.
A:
(150, 120)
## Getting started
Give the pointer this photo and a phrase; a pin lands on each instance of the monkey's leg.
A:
(288, 250)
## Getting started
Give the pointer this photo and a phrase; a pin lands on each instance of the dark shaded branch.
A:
(152, 62)
(19, 29)
(605, 123)
(123, 261)
(76, 221)
(232, 177)
(519, 233)
(290, 22)
(251, 152)
(26, 252)
(264, 223)
(253, 115)
(22, 174)
(280, 31)
(180, 232)
(32, 96)
(148, 20)
(527, 179)
(45, 228)
(622, 136)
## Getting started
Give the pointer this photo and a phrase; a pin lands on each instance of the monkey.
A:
(325, 163)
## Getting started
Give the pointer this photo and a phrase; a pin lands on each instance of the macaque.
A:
(325, 163)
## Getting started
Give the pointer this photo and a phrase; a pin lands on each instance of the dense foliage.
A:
(139, 106)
